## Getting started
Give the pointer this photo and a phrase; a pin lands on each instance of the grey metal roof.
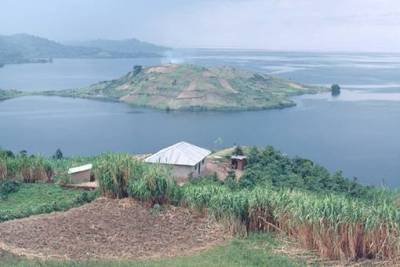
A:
(80, 169)
(181, 153)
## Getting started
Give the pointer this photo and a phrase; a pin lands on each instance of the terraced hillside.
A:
(191, 87)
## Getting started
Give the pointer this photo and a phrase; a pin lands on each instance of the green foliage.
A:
(58, 154)
(330, 217)
(271, 167)
(120, 175)
(113, 172)
(155, 186)
(335, 89)
(238, 151)
(40, 198)
(29, 169)
(230, 180)
(8, 187)
(137, 69)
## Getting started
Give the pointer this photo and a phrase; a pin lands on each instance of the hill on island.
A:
(191, 87)
(23, 48)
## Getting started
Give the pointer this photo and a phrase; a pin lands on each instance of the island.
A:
(195, 88)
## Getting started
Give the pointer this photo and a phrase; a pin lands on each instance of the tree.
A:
(137, 69)
(238, 151)
(58, 154)
(335, 88)
(23, 153)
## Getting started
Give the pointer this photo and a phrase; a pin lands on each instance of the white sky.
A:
(337, 25)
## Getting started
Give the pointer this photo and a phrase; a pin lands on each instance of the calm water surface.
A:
(357, 132)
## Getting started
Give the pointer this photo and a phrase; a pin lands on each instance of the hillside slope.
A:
(23, 48)
(130, 47)
(190, 87)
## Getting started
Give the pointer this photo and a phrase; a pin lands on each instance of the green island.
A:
(283, 211)
(196, 88)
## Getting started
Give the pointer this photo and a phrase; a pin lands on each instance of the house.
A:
(238, 162)
(81, 174)
(187, 160)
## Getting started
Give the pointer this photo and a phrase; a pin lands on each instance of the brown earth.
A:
(111, 229)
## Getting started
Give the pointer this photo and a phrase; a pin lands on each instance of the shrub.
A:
(7, 187)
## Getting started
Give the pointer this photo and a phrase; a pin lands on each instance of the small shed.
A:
(238, 162)
(81, 174)
(186, 159)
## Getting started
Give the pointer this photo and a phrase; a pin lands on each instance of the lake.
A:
(357, 132)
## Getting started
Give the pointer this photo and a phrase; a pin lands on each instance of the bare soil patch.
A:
(163, 69)
(225, 84)
(111, 229)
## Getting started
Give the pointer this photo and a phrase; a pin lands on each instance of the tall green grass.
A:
(26, 168)
(120, 175)
(338, 226)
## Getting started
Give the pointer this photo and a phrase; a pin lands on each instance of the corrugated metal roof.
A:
(80, 169)
(181, 153)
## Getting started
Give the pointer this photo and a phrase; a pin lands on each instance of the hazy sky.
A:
(339, 25)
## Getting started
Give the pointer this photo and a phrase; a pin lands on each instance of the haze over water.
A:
(356, 132)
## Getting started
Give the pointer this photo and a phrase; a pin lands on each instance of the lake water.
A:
(357, 132)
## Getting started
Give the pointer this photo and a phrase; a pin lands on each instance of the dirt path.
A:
(111, 229)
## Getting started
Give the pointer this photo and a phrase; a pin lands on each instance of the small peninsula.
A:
(7, 94)
(196, 88)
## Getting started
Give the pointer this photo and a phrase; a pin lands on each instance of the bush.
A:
(271, 167)
(7, 187)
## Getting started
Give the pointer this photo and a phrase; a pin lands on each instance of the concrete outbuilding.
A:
(238, 162)
(186, 160)
(81, 174)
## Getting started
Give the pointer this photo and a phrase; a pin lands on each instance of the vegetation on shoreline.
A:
(8, 94)
(195, 88)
